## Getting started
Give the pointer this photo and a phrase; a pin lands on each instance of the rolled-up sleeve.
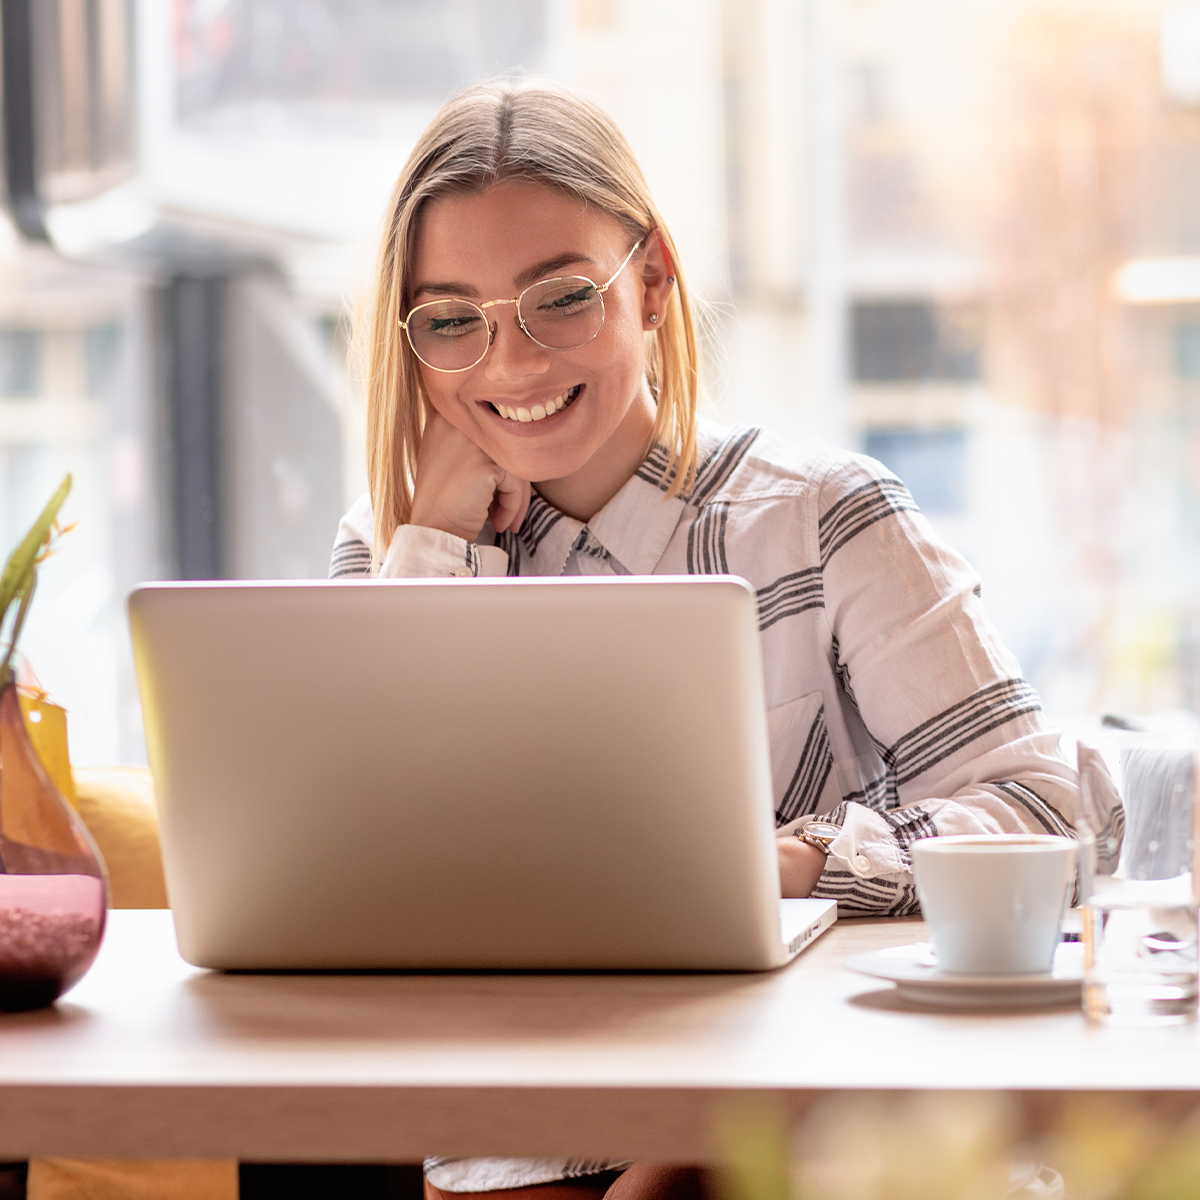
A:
(960, 734)
(415, 551)
(418, 552)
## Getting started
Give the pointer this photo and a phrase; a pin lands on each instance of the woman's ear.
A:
(658, 278)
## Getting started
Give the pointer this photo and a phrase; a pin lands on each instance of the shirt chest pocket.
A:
(802, 774)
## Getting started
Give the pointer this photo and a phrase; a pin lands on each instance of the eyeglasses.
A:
(558, 314)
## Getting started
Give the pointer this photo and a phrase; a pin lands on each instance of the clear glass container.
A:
(1137, 879)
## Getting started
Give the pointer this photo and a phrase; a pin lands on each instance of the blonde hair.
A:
(530, 130)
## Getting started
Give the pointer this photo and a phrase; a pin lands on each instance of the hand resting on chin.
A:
(458, 487)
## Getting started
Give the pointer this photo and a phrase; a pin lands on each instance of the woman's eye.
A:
(569, 302)
(452, 326)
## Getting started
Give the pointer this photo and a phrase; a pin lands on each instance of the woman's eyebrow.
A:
(446, 289)
(546, 268)
(541, 270)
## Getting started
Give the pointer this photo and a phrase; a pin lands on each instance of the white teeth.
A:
(539, 412)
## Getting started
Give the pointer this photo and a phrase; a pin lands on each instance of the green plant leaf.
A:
(25, 599)
(18, 573)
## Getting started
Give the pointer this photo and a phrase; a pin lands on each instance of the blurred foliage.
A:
(19, 578)
(958, 1146)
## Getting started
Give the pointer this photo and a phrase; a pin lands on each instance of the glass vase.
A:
(53, 891)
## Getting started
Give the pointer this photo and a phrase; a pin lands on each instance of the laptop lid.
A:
(519, 773)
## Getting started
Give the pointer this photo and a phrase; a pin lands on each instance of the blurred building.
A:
(996, 166)
(904, 219)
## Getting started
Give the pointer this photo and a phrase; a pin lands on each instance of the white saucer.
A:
(914, 971)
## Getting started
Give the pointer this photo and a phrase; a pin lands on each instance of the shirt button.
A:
(463, 572)
(861, 864)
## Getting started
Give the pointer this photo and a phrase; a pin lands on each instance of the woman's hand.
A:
(458, 487)
(800, 866)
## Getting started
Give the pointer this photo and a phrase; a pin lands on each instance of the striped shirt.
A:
(893, 708)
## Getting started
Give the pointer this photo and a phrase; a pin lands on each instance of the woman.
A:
(532, 395)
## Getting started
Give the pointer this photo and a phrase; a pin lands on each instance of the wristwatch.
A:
(818, 833)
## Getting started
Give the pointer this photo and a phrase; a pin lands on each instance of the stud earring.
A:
(670, 278)
(654, 318)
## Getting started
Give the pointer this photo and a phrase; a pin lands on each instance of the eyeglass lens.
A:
(560, 314)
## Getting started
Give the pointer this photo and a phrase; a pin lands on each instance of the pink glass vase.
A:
(53, 891)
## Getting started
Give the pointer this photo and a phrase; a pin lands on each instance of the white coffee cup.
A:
(994, 903)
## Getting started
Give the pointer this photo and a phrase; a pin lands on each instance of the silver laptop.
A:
(476, 774)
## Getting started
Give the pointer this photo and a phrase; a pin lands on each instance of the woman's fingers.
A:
(511, 502)
(458, 486)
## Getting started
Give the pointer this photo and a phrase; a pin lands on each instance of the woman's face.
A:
(491, 245)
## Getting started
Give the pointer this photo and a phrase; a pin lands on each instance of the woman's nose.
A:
(514, 354)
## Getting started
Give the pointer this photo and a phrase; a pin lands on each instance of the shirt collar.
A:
(637, 523)
(547, 536)
(635, 526)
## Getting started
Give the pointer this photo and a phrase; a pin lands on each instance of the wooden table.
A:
(149, 1057)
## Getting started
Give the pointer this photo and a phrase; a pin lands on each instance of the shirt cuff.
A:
(867, 846)
(418, 552)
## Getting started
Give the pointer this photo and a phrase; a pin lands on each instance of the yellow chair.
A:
(117, 805)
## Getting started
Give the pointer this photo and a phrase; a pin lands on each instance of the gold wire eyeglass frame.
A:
(480, 308)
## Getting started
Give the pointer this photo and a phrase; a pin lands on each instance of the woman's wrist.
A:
(800, 867)
(429, 517)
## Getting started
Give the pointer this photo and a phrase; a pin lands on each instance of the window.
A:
(325, 53)
(102, 357)
(1187, 350)
(20, 362)
(908, 341)
(932, 462)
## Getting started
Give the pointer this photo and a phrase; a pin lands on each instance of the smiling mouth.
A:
(539, 412)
